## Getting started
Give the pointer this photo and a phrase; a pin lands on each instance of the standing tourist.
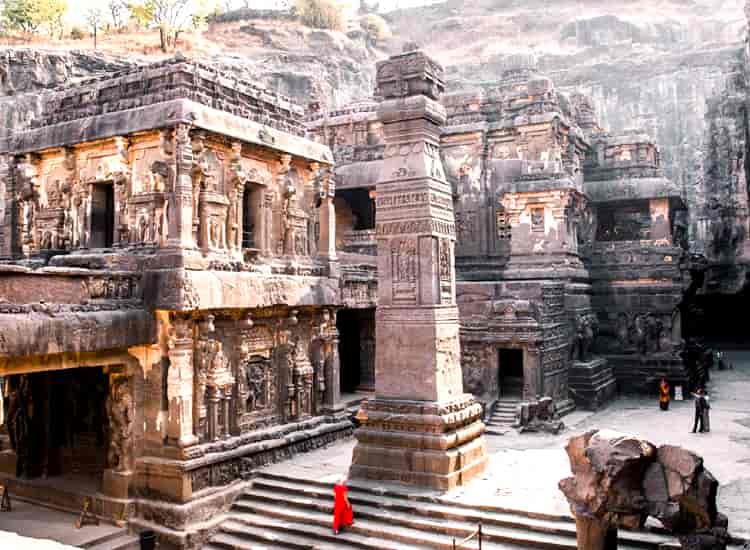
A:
(704, 414)
(343, 515)
(664, 394)
(700, 403)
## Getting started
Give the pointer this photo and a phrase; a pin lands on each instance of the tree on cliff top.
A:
(172, 17)
(29, 16)
(320, 14)
(95, 19)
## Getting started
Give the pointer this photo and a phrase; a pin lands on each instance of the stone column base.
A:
(116, 484)
(432, 445)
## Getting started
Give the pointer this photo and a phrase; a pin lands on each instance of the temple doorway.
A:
(102, 215)
(57, 423)
(356, 350)
(510, 373)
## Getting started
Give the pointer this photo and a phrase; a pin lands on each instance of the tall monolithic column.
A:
(421, 428)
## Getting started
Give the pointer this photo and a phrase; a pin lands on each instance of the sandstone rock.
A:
(619, 480)
(655, 484)
(682, 461)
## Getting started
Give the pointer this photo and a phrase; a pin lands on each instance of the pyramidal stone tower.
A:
(421, 428)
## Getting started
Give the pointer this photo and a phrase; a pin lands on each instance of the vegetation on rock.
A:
(319, 14)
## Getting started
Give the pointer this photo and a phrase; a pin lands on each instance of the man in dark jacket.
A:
(700, 405)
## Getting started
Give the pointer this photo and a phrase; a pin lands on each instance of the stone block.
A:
(117, 484)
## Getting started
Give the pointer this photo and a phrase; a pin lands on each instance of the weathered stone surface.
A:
(169, 266)
(421, 428)
(619, 480)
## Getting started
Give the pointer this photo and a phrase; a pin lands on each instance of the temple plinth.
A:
(421, 428)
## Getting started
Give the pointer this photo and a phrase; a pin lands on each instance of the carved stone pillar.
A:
(25, 204)
(9, 212)
(332, 396)
(181, 207)
(267, 223)
(121, 182)
(421, 428)
(327, 190)
(212, 418)
(121, 412)
(180, 385)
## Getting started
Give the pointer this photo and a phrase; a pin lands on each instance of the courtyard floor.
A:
(525, 468)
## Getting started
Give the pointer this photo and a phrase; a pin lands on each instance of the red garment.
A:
(343, 515)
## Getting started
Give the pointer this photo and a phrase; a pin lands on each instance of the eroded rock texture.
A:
(619, 480)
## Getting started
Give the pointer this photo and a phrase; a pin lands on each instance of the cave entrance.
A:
(58, 425)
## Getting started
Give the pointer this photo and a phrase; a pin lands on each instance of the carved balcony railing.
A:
(360, 242)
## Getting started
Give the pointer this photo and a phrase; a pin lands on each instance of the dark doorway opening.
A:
(102, 215)
(362, 206)
(510, 377)
(57, 422)
(356, 350)
(248, 219)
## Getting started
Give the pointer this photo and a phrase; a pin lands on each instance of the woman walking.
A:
(343, 515)
(664, 395)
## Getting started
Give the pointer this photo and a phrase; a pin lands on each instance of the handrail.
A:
(474, 535)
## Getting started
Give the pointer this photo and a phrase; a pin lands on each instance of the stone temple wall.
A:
(169, 234)
(545, 198)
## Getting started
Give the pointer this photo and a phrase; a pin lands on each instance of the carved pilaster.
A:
(288, 194)
(26, 190)
(180, 384)
(7, 167)
(327, 189)
(121, 177)
(181, 218)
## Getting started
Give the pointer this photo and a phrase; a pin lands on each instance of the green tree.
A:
(376, 28)
(142, 12)
(29, 16)
(319, 14)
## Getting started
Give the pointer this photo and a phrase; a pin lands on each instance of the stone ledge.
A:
(23, 335)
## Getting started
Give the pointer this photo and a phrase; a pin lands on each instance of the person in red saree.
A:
(664, 394)
(343, 515)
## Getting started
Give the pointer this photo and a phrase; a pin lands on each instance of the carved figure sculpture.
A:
(288, 240)
(654, 328)
(121, 414)
(638, 334)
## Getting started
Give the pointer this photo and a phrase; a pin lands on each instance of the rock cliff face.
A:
(644, 66)
(311, 66)
(26, 71)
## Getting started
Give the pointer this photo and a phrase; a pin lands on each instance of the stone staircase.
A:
(503, 415)
(281, 512)
(116, 541)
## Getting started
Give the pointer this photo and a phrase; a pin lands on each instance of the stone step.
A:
(385, 533)
(121, 541)
(306, 534)
(245, 537)
(457, 526)
(404, 507)
(503, 418)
